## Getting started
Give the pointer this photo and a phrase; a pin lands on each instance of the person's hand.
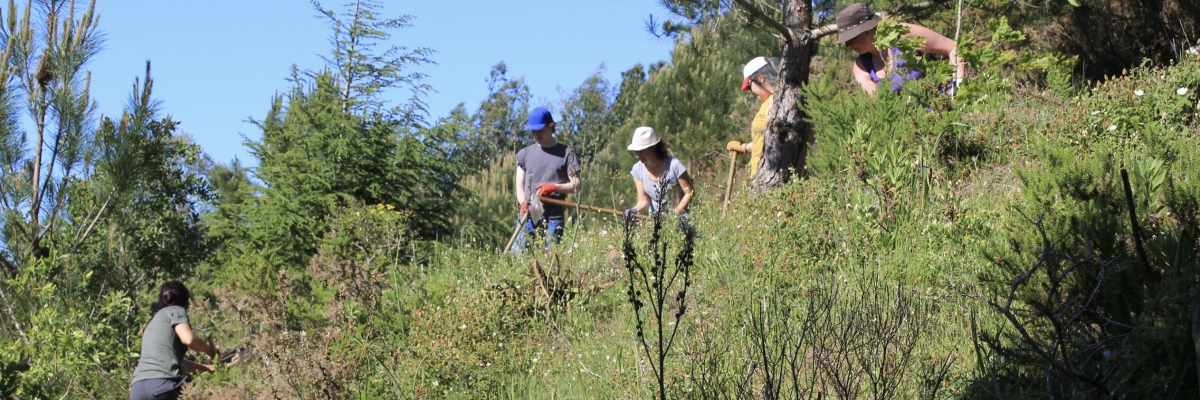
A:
(208, 368)
(546, 189)
(734, 145)
(630, 213)
(525, 207)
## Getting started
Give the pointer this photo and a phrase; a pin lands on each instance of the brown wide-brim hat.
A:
(854, 20)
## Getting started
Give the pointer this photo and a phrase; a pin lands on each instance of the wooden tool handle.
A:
(520, 225)
(586, 207)
(729, 182)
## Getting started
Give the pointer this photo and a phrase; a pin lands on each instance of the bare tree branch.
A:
(832, 28)
(86, 233)
(758, 14)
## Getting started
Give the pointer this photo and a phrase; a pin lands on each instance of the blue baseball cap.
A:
(538, 119)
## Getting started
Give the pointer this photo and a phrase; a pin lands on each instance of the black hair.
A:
(660, 150)
(173, 293)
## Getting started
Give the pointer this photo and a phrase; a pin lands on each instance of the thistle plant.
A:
(658, 285)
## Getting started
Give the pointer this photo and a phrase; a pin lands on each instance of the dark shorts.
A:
(156, 389)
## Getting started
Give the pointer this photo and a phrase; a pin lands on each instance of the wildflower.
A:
(1181, 91)
(1194, 51)
(1097, 112)
(1112, 127)
(1139, 92)
(464, 326)
(535, 360)
(435, 383)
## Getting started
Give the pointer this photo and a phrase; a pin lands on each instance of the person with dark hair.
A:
(160, 371)
(759, 76)
(153, 310)
(856, 28)
(657, 174)
(544, 168)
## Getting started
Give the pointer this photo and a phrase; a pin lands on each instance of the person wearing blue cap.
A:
(546, 168)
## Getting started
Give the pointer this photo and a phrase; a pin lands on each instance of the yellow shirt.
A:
(756, 131)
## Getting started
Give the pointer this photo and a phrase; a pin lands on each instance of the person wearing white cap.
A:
(659, 178)
(759, 77)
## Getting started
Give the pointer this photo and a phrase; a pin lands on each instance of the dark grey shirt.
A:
(162, 352)
(553, 164)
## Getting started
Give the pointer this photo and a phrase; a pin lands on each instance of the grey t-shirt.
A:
(653, 188)
(162, 352)
(553, 164)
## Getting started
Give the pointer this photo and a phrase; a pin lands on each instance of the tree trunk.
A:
(787, 134)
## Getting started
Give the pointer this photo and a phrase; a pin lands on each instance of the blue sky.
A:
(217, 63)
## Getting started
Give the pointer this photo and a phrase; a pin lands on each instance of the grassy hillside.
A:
(884, 275)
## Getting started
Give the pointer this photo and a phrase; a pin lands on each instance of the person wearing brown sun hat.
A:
(856, 28)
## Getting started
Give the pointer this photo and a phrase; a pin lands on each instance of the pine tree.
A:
(331, 140)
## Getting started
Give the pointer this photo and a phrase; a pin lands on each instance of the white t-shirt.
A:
(670, 180)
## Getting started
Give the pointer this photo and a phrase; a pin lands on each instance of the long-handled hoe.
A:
(567, 204)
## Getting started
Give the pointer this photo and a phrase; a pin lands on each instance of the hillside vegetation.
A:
(1034, 236)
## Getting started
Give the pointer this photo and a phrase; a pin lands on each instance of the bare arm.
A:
(571, 186)
(520, 186)
(191, 367)
(936, 43)
(189, 339)
(863, 78)
(685, 183)
(643, 201)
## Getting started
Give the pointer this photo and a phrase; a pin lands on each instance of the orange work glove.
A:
(546, 189)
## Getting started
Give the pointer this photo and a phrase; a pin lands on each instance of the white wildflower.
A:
(1139, 92)
(1181, 91)
(435, 383)
(535, 360)
(1194, 51)
(464, 326)
(1112, 127)
(1097, 112)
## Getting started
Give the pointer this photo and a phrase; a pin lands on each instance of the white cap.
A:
(643, 138)
(753, 66)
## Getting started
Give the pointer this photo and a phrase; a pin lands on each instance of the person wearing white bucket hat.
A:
(659, 178)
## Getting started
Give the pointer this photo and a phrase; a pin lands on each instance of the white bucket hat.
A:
(643, 138)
